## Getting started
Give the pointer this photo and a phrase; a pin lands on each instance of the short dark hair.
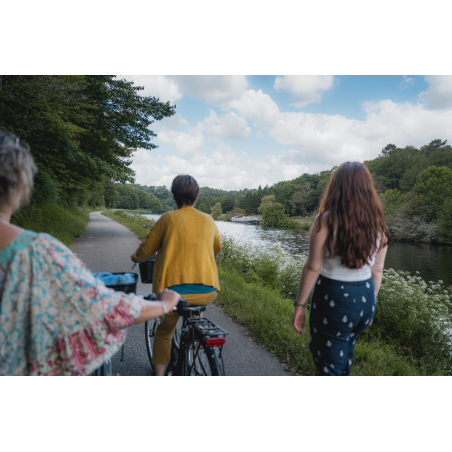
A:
(185, 189)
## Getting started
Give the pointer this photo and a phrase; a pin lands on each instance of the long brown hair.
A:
(355, 212)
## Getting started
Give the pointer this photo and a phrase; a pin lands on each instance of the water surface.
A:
(432, 263)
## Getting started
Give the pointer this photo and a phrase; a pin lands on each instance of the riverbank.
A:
(64, 223)
(258, 286)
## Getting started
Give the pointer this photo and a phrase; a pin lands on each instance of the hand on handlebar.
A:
(170, 297)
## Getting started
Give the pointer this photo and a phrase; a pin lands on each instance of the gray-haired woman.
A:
(55, 317)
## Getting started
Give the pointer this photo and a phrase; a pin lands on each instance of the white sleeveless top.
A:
(334, 269)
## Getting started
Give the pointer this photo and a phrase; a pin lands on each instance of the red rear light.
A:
(215, 341)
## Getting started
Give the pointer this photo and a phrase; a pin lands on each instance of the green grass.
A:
(136, 223)
(268, 317)
(64, 223)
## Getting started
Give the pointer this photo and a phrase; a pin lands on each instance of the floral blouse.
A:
(55, 317)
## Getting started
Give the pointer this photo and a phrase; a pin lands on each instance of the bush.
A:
(306, 222)
(412, 228)
(64, 223)
(415, 316)
(445, 221)
(274, 216)
(216, 211)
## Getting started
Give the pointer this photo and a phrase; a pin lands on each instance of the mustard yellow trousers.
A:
(162, 342)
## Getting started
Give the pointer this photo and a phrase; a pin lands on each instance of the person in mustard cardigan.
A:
(186, 241)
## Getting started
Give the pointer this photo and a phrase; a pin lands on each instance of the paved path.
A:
(107, 246)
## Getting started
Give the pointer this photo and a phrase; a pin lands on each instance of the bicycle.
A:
(194, 345)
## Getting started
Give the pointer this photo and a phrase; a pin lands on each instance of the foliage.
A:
(300, 199)
(216, 211)
(415, 316)
(435, 186)
(64, 223)
(445, 220)
(392, 200)
(203, 207)
(266, 202)
(227, 203)
(414, 228)
(275, 216)
(306, 222)
(80, 129)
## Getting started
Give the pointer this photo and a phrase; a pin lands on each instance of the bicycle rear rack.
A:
(207, 328)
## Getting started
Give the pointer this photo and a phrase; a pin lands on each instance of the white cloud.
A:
(256, 105)
(328, 140)
(304, 89)
(438, 95)
(186, 143)
(227, 126)
(407, 82)
(156, 85)
(224, 169)
(316, 142)
(212, 89)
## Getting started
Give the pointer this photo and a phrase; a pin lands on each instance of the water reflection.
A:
(433, 263)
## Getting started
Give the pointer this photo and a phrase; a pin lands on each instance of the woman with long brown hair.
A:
(347, 250)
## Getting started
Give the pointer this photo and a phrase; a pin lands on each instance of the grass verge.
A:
(64, 223)
(136, 223)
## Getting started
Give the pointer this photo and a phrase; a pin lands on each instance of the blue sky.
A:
(235, 132)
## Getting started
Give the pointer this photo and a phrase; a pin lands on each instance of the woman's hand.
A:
(299, 318)
(170, 298)
(154, 309)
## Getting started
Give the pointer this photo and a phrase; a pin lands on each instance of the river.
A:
(432, 263)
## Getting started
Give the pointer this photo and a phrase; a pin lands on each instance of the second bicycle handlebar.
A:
(181, 305)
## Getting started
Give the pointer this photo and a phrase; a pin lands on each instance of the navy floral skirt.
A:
(340, 311)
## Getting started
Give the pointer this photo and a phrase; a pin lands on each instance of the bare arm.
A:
(311, 270)
(377, 268)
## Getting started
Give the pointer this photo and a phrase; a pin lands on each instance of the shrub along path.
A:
(107, 246)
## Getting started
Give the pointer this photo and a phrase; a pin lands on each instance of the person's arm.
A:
(152, 243)
(377, 268)
(152, 309)
(310, 273)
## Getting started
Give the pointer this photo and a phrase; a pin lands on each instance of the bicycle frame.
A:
(202, 330)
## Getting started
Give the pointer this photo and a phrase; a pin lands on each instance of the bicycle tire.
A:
(203, 361)
(149, 328)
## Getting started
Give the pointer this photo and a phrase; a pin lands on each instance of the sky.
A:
(235, 132)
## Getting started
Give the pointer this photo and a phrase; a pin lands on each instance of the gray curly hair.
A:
(17, 169)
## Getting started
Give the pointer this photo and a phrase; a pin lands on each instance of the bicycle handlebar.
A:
(181, 305)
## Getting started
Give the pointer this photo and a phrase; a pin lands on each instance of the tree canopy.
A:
(80, 129)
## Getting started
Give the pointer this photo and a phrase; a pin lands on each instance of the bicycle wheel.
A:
(203, 361)
(150, 327)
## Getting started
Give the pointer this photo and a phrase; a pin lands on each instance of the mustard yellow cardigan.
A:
(186, 241)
